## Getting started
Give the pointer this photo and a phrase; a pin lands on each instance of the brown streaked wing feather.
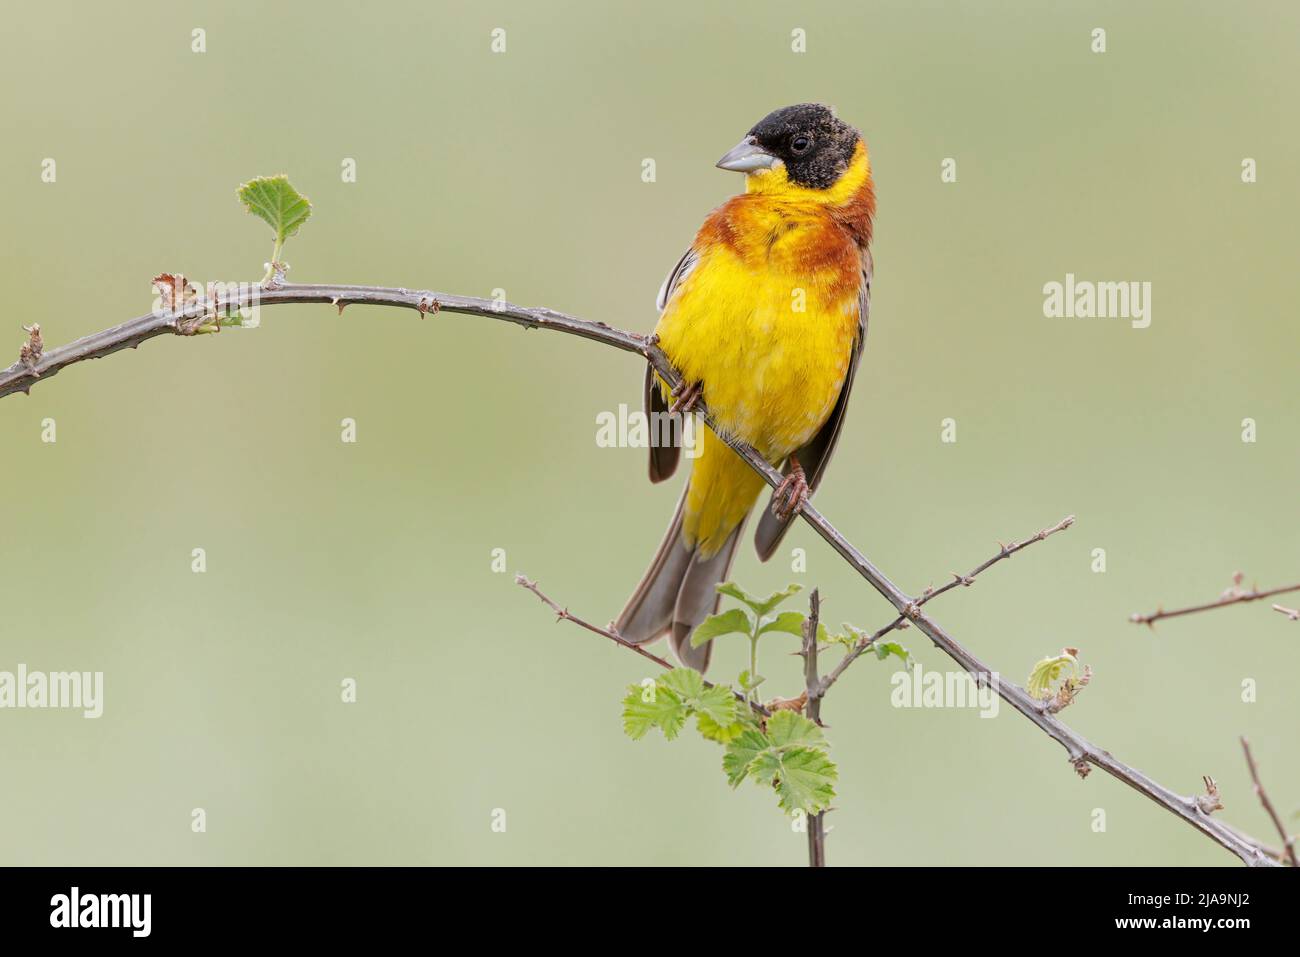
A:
(664, 459)
(814, 456)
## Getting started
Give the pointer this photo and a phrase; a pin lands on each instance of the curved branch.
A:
(1081, 752)
(21, 376)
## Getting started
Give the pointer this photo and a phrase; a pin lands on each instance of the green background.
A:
(521, 171)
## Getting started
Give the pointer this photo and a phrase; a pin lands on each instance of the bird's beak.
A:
(746, 157)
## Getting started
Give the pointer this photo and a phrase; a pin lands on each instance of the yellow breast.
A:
(767, 323)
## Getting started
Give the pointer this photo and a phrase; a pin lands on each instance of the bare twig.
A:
(1004, 551)
(563, 614)
(1292, 613)
(813, 688)
(1233, 596)
(1288, 842)
(1080, 751)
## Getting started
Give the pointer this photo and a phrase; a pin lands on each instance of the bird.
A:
(765, 317)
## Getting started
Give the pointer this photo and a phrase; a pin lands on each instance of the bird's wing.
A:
(674, 279)
(814, 456)
(664, 458)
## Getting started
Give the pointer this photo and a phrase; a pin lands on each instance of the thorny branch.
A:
(1081, 752)
(1235, 595)
(1288, 842)
(1004, 551)
(563, 614)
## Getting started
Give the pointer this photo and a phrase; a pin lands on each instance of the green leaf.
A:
(884, 649)
(729, 622)
(718, 703)
(732, 590)
(848, 638)
(881, 647)
(682, 692)
(722, 733)
(275, 202)
(786, 731)
(787, 728)
(687, 683)
(750, 682)
(774, 599)
(790, 622)
(741, 753)
(688, 686)
(760, 606)
(1047, 671)
(804, 778)
(645, 708)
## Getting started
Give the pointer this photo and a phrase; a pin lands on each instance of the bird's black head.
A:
(815, 145)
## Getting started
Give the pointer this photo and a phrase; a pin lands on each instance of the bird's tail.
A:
(677, 592)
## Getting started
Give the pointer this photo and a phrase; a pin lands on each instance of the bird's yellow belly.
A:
(771, 348)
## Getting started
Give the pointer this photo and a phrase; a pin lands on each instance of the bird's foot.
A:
(791, 493)
(686, 397)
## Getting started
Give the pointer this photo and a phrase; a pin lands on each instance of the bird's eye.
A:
(800, 143)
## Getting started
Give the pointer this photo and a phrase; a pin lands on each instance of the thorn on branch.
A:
(1292, 613)
(30, 353)
(1209, 802)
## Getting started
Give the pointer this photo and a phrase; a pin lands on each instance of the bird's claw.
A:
(686, 397)
(791, 493)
